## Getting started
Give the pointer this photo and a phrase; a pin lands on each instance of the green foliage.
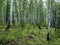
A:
(29, 35)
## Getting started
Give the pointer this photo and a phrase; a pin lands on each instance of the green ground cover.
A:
(28, 36)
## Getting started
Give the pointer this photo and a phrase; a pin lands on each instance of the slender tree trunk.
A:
(49, 20)
(56, 12)
(10, 16)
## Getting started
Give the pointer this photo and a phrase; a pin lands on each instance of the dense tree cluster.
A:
(30, 11)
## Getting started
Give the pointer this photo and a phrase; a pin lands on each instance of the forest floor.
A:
(28, 36)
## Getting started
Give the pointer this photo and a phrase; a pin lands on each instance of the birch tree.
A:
(48, 19)
(10, 16)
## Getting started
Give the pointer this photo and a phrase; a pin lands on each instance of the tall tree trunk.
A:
(49, 20)
(56, 13)
(10, 16)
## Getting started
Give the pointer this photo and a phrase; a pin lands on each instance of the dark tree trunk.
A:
(48, 37)
(39, 26)
(8, 25)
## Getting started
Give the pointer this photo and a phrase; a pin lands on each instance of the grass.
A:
(28, 36)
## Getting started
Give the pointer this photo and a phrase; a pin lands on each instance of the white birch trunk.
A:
(11, 9)
(48, 16)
